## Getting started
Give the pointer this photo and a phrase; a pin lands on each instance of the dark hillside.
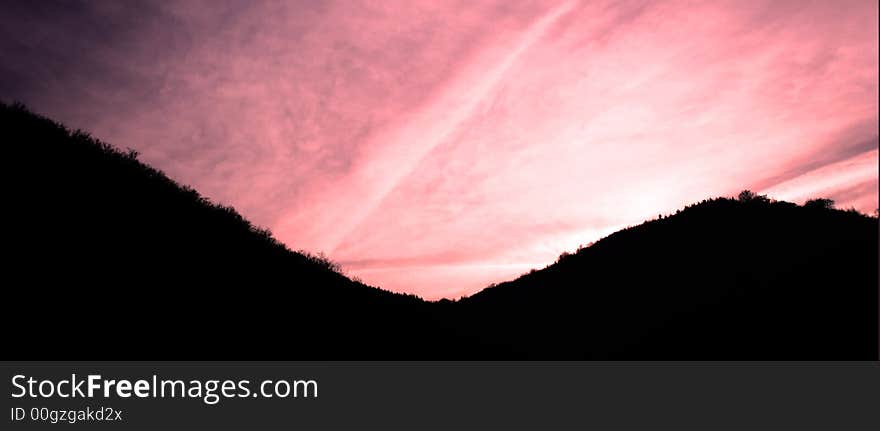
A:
(106, 250)
(107, 258)
(723, 279)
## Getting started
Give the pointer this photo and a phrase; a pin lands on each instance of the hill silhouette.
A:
(731, 279)
(110, 259)
(116, 260)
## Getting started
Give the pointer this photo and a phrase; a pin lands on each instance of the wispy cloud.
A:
(395, 153)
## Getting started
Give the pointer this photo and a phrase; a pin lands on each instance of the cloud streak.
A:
(394, 154)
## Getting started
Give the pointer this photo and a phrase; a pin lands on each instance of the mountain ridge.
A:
(104, 243)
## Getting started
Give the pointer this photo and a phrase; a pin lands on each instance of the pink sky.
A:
(434, 147)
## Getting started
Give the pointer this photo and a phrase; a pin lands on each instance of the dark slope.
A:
(107, 258)
(722, 279)
(115, 258)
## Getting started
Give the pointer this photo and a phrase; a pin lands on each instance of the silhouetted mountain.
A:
(111, 256)
(108, 258)
(723, 279)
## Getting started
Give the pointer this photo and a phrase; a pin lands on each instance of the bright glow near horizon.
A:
(434, 147)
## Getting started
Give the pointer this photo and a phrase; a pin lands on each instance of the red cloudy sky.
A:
(433, 147)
